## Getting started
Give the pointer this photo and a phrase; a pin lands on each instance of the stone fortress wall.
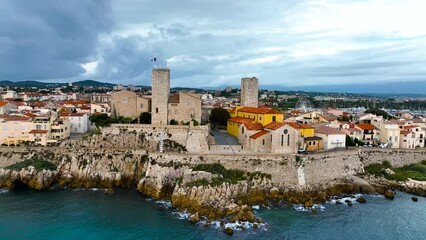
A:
(285, 170)
(192, 139)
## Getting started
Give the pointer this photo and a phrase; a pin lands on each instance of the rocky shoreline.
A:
(206, 191)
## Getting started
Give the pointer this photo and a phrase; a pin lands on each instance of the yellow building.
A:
(234, 125)
(262, 115)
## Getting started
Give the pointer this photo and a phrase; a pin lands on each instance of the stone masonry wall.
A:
(285, 170)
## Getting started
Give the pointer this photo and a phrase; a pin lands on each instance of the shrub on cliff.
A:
(38, 164)
(415, 171)
(231, 175)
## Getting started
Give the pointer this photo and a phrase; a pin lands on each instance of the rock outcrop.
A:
(38, 180)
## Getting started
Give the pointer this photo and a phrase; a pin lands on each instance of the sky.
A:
(214, 43)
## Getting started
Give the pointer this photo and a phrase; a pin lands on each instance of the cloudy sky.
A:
(214, 43)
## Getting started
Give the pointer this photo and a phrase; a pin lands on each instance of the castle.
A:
(180, 108)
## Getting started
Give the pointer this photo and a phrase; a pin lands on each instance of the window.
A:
(274, 119)
(310, 143)
(242, 129)
(263, 141)
(125, 99)
(285, 131)
(156, 110)
(141, 105)
(390, 138)
(288, 140)
(282, 140)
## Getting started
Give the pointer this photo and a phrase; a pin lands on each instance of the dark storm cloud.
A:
(49, 39)
(214, 43)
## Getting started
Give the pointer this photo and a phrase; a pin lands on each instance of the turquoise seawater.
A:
(86, 214)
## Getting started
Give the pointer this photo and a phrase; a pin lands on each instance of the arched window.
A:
(156, 110)
(242, 129)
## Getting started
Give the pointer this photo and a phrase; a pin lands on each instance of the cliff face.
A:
(214, 186)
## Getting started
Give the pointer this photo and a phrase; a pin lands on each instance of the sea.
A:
(91, 214)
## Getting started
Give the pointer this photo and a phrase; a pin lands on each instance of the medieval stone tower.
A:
(160, 95)
(249, 92)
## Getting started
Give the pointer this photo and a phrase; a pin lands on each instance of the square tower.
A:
(249, 92)
(160, 95)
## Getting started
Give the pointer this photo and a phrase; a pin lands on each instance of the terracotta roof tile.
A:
(328, 131)
(253, 126)
(39, 131)
(274, 125)
(259, 134)
(410, 127)
(76, 102)
(366, 126)
(3, 103)
(240, 120)
(261, 110)
(14, 118)
(72, 114)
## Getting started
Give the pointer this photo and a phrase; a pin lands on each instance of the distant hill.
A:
(93, 83)
(28, 84)
(84, 83)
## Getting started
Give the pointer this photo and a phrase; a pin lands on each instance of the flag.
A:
(154, 59)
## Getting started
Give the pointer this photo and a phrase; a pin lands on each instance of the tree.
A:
(145, 118)
(350, 141)
(344, 118)
(219, 116)
(100, 120)
(379, 112)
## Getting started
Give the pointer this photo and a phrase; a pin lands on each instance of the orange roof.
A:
(39, 131)
(76, 102)
(3, 103)
(293, 125)
(259, 134)
(261, 110)
(405, 132)
(274, 125)
(410, 127)
(240, 120)
(71, 114)
(31, 115)
(14, 118)
(366, 126)
(233, 110)
(253, 126)
(328, 131)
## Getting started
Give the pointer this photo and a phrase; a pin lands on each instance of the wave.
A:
(89, 189)
(237, 226)
(3, 191)
(345, 200)
(163, 203)
(302, 208)
(182, 215)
